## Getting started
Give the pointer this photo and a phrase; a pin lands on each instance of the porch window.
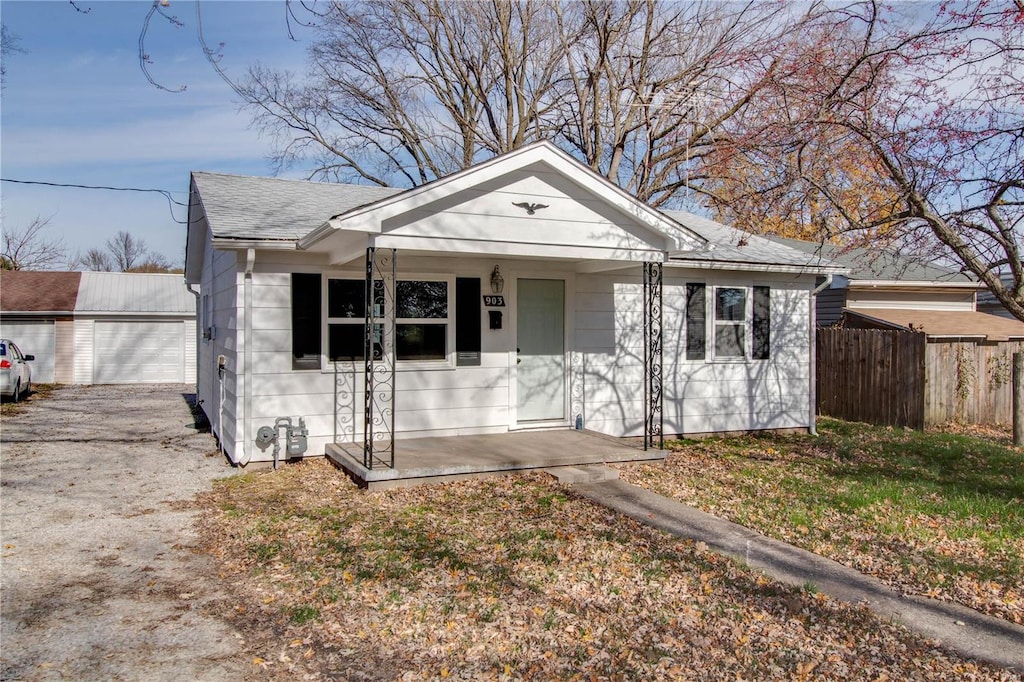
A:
(422, 319)
(346, 319)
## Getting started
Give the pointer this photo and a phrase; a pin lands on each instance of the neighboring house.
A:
(956, 371)
(101, 327)
(526, 292)
(880, 280)
(988, 303)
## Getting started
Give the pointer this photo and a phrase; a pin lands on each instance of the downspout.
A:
(199, 334)
(250, 261)
(812, 349)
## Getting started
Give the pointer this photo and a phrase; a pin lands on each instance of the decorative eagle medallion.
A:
(530, 208)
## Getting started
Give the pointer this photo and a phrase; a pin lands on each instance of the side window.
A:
(730, 322)
(696, 329)
(761, 323)
(306, 327)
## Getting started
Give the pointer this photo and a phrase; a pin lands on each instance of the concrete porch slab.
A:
(437, 460)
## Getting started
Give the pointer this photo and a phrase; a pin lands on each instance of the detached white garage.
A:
(101, 327)
(134, 329)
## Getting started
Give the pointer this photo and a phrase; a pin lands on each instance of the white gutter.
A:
(250, 261)
(911, 284)
(755, 267)
(282, 244)
(812, 348)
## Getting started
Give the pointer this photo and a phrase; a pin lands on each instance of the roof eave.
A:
(261, 244)
(678, 260)
(906, 284)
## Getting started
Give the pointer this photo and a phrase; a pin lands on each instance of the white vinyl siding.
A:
(605, 333)
(38, 338)
(699, 396)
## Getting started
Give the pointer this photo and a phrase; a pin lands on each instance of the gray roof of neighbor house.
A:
(129, 292)
(243, 207)
(876, 263)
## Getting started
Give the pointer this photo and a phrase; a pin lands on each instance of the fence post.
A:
(1018, 398)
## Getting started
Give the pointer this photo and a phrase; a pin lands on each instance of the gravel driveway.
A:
(99, 580)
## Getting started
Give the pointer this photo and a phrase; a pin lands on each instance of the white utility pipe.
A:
(812, 349)
(247, 434)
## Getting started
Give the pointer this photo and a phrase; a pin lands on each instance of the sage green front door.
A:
(540, 339)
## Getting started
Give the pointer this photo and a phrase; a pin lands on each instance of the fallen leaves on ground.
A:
(517, 578)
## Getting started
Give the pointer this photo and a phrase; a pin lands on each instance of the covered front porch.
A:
(442, 459)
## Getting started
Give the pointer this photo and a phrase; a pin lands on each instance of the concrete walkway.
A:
(958, 628)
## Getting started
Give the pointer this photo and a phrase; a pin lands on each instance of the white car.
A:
(15, 373)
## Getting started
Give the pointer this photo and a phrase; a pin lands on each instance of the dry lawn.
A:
(517, 578)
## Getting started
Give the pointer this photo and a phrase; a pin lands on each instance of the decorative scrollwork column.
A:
(379, 354)
(577, 395)
(653, 357)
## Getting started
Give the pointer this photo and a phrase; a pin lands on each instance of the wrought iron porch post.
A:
(379, 354)
(653, 357)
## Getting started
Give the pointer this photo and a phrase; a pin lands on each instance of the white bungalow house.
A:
(524, 293)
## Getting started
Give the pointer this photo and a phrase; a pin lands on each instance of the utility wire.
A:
(171, 201)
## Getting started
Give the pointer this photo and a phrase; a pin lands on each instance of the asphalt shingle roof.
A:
(948, 322)
(24, 291)
(243, 207)
(877, 264)
(736, 246)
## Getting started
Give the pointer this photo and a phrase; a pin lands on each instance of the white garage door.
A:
(34, 338)
(139, 352)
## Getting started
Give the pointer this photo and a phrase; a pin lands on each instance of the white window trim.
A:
(747, 323)
(448, 363)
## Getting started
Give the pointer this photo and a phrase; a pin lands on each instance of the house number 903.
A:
(494, 301)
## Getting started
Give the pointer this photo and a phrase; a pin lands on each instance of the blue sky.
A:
(76, 108)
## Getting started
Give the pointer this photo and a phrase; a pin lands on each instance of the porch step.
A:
(587, 474)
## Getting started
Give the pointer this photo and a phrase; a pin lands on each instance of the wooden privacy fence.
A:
(872, 375)
(969, 382)
(901, 379)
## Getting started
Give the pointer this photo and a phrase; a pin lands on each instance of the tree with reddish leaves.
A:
(933, 107)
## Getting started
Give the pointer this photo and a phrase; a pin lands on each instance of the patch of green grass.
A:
(300, 614)
(263, 552)
(921, 507)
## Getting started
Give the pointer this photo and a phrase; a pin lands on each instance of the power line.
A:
(171, 201)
